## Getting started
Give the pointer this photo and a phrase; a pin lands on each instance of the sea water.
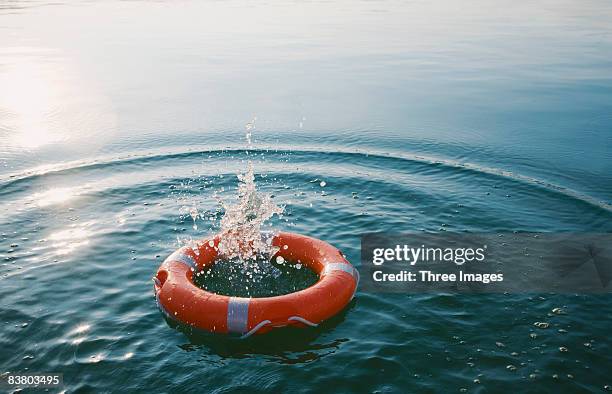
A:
(426, 116)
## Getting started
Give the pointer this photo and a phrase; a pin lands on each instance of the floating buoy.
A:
(181, 300)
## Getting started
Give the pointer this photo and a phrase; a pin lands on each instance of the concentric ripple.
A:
(81, 241)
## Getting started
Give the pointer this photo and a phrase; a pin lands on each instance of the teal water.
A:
(118, 118)
(255, 278)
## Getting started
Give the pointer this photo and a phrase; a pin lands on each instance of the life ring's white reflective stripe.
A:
(180, 255)
(255, 329)
(237, 315)
(346, 268)
(302, 320)
(341, 267)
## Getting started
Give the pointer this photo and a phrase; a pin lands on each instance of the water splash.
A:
(241, 224)
(193, 212)
(249, 132)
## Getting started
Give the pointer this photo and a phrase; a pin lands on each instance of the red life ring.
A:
(180, 299)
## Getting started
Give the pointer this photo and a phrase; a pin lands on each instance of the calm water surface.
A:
(117, 118)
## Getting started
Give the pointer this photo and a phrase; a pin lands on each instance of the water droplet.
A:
(96, 358)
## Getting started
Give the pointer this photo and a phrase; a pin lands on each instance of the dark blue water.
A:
(118, 118)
